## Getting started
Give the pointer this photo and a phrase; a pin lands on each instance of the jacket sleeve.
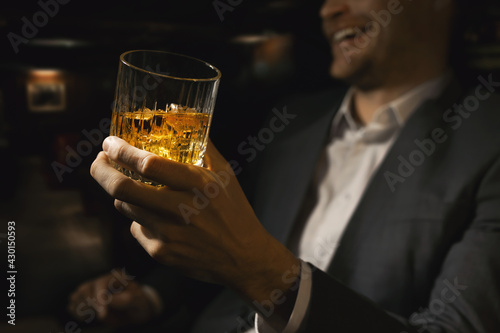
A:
(465, 296)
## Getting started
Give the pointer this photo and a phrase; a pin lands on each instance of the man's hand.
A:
(199, 222)
(129, 305)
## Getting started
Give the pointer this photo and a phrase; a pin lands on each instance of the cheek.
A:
(368, 7)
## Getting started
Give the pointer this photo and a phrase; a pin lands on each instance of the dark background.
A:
(67, 231)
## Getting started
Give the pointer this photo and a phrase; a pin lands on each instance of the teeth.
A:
(344, 33)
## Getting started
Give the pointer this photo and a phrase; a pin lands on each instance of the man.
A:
(392, 189)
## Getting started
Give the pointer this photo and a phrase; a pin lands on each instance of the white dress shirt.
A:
(345, 168)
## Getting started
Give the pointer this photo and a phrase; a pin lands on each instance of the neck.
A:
(367, 100)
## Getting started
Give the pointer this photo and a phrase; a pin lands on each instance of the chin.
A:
(357, 73)
(351, 66)
(341, 71)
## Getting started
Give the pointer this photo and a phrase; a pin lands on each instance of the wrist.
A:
(271, 286)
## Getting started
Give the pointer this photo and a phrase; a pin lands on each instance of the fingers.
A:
(78, 296)
(146, 217)
(83, 298)
(175, 175)
(148, 240)
(151, 200)
(115, 183)
(104, 298)
(211, 156)
(214, 161)
(126, 189)
(122, 300)
(101, 287)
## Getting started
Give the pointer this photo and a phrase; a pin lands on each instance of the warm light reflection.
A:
(58, 42)
(44, 74)
(46, 90)
(250, 39)
(272, 55)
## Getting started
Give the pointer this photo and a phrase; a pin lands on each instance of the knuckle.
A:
(93, 168)
(118, 187)
(202, 178)
(125, 209)
(156, 255)
(160, 253)
(118, 154)
(119, 205)
(133, 229)
(148, 164)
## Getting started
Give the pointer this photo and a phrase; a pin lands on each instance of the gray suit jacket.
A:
(422, 250)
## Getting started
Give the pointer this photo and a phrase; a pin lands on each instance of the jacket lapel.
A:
(290, 161)
(377, 201)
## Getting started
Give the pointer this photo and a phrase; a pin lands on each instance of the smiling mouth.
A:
(346, 34)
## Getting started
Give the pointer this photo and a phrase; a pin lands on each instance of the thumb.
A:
(213, 160)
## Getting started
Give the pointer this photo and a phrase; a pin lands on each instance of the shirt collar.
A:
(405, 105)
(395, 112)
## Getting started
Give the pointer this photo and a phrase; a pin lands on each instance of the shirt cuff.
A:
(299, 309)
(154, 298)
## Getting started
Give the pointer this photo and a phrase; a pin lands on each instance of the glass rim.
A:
(126, 63)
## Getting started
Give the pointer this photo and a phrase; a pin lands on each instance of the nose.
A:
(333, 8)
